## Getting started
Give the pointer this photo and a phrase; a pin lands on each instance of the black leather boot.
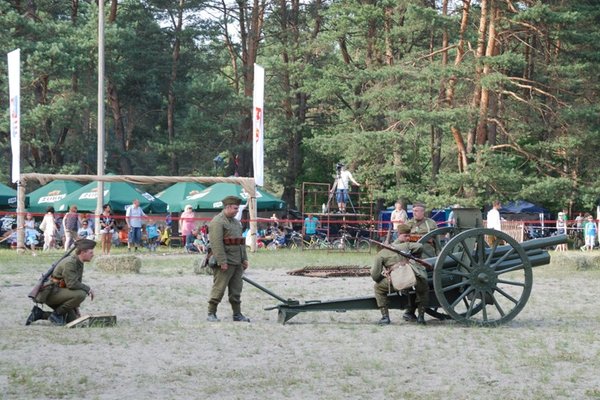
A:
(239, 317)
(409, 315)
(421, 317)
(212, 317)
(36, 313)
(57, 319)
(385, 317)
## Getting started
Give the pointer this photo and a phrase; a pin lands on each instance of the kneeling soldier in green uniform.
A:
(229, 249)
(386, 259)
(66, 292)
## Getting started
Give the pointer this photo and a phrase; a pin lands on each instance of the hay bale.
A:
(587, 262)
(127, 264)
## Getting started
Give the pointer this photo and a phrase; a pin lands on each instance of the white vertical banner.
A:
(14, 90)
(258, 131)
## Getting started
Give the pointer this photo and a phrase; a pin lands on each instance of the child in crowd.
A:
(152, 234)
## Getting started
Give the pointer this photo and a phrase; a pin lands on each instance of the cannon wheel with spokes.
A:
(480, 284)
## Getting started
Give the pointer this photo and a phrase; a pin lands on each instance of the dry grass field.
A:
(163, 348)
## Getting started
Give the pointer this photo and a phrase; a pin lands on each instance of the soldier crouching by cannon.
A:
(385, 262)
(61, 288)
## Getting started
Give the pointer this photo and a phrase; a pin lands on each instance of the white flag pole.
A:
(257, 145)
(100, 150)
(14, 88)
(14, 92)
(258, 124)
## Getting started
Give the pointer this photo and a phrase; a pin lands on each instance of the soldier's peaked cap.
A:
(403, 228)
(85, 244)
(231, 200)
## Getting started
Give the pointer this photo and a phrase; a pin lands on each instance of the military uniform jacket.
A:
(386, 258)
(422, 227)
(220, 228)
(71, 271)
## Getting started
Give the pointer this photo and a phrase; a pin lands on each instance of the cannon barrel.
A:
(532, 247)
(542, 243)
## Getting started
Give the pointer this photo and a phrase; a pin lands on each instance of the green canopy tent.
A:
(117, 194)
(8, 197)
(180, 192)
(210, 198)
(50, 194)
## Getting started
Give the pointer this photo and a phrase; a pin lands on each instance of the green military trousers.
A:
(231, 279)
(64, 300)
(382, 289)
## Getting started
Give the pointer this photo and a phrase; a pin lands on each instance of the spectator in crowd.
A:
(311, 223)
(124, 235)
(398, 216)
(494, 221)
(452, 217)
(187, 222)
(48, 226)
(200, 243)
(90, 220)
(578, 227)
(134, 216)
(70, 225)
(107, 228)
(31, 233)
(165, 235)
(152, 235)
(590, 230)
(561, 229)
(10, 236)
(85, 232)
(6, 222)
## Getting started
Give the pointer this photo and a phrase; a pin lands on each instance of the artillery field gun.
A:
(470, 281)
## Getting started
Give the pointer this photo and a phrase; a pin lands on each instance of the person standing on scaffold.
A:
(341, 186)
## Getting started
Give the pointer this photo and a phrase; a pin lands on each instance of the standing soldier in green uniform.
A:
(66, 292)
(386, 259)
(229, 249)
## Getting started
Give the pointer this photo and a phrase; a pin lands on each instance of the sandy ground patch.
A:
(163, 348)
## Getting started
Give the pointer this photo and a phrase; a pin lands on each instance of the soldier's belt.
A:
(231, 241)
(60, 282)
(414, 237)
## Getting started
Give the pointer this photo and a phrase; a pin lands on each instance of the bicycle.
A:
(316, 241)
(278, 242)
(349, 242)
(295, 240)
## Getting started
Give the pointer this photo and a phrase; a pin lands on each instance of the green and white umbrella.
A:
(180, 192)
(118, 195)
(211, 198)
(8, 197)
(50, 194)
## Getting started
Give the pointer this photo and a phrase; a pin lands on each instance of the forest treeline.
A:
(441, 101)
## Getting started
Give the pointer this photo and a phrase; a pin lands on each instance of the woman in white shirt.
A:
(48, 226)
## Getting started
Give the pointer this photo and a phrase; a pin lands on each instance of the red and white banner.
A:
(258, 128)
(14, 90)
